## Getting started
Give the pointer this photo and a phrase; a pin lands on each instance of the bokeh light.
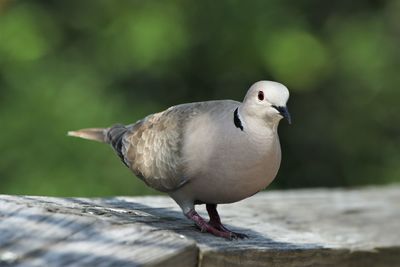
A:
(66, 65)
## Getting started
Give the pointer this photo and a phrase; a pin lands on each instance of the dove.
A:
(212, 152)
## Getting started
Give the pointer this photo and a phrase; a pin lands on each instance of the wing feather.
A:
(153, 149)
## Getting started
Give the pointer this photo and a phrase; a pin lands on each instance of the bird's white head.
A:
(266, 100)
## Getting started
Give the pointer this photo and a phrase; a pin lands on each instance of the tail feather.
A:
(96, 134)
(113, 136)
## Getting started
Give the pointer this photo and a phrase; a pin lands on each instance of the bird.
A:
(211, 152)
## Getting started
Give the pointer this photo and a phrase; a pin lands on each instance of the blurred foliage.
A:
(75, 64)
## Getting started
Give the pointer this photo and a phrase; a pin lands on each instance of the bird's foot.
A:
(215, 221)
(206, 227)
(234, 235)
(210, 228)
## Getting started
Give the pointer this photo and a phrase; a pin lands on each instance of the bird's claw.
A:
(213, 227)
(232, 234)
(221, 232)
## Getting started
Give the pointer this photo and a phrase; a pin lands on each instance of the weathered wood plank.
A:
(74, 232)
(317, 227)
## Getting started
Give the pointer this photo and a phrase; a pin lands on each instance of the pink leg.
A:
(205, 226)
(215, 221)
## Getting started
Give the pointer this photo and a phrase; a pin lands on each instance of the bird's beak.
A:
(284, 113)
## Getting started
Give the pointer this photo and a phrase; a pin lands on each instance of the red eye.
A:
(261, 95)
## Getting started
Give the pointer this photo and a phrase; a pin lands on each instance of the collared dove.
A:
(209, 152)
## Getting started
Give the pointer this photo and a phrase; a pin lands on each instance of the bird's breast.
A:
(232, 168)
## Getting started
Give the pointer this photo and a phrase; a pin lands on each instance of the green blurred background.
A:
(66, 65)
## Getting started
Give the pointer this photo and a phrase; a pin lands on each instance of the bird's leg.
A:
(215, 221)
(205, 226)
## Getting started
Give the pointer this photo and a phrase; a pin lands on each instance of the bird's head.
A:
(267, 100)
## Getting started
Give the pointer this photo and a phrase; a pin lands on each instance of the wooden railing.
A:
(318, 227)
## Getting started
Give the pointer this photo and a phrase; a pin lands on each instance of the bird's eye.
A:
(260, 95)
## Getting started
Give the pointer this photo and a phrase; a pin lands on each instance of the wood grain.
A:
(319, 227)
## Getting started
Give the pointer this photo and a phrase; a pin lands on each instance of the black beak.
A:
(284, 112)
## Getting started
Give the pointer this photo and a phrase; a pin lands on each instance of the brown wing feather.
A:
(152, 149)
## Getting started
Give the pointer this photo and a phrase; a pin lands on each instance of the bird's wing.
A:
(152, 147)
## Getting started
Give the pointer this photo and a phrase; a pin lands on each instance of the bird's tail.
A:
(113, 136)
(96, 134)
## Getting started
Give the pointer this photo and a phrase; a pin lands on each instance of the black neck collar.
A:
(236, 119)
